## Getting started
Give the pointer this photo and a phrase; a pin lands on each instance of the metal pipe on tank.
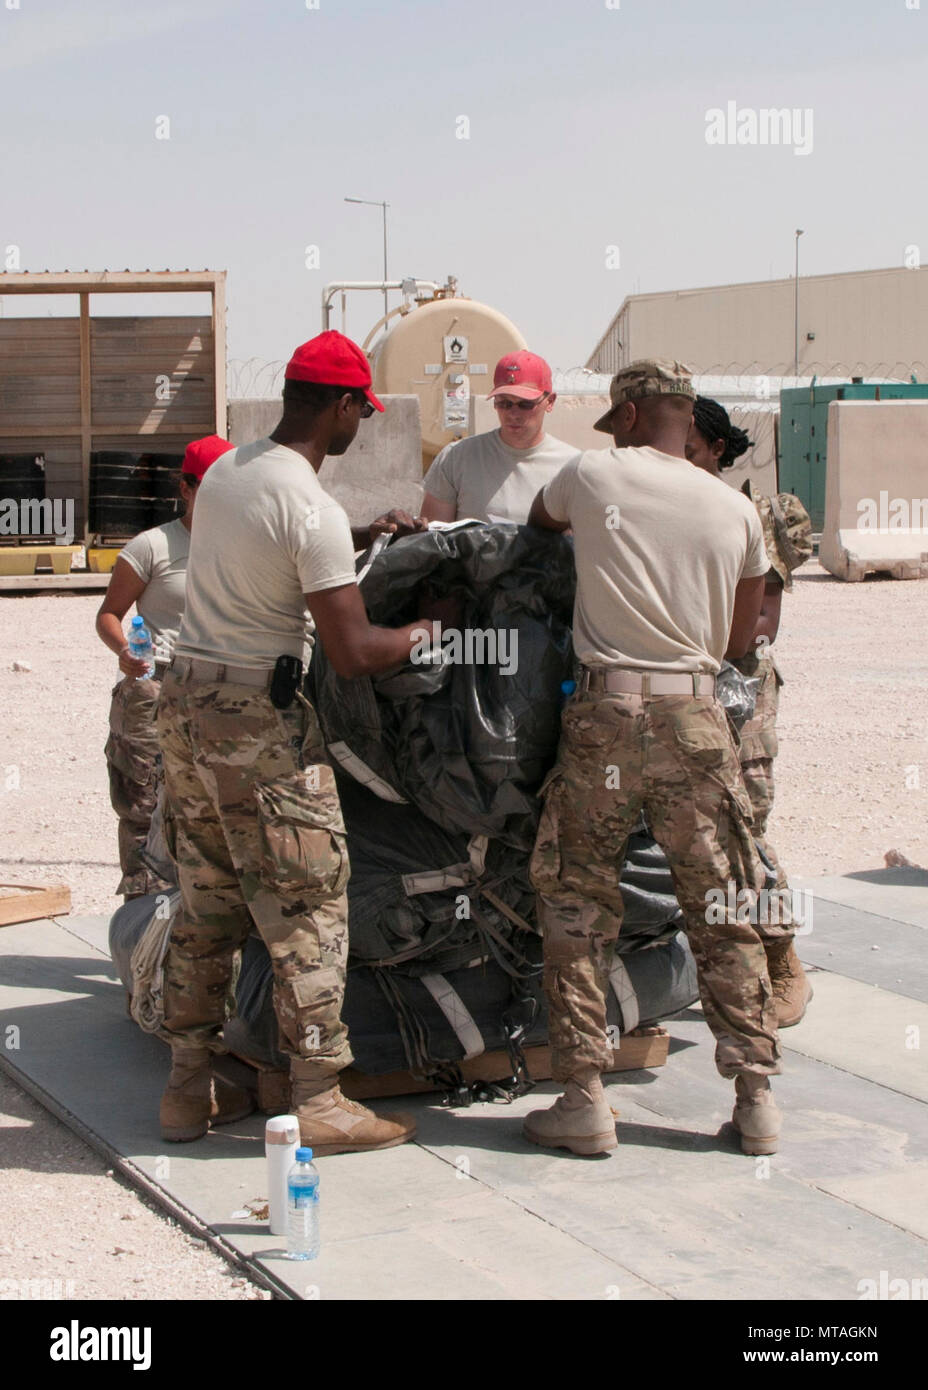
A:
(332, 289)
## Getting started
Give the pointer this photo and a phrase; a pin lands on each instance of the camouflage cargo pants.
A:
(758, 748)
(253, 819)
(672, 756)
(133, 761)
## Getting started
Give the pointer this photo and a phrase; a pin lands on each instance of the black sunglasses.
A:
(519, 405)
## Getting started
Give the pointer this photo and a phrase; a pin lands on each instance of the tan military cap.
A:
(787, 530)
(651, 376)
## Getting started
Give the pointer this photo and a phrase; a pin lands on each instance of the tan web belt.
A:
(646, 683)
(186, 668)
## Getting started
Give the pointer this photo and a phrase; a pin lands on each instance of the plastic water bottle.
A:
(567, 689)
(140, 646)
(303, 1208)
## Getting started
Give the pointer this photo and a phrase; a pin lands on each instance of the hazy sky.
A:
(587, 130)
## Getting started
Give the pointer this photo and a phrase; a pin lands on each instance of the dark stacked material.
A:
(132, 492)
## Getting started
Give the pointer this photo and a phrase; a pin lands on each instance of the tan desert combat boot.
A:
(330, 1123)
(755, 1116)
(791, 988)
(579, 1120)
(195, 1100)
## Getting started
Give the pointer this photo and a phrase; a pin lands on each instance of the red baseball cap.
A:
(521, 374)
(331, 359)
(202, 452)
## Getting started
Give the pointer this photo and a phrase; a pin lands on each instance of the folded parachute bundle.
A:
(467, 740)
(462, 744)
(438, 769)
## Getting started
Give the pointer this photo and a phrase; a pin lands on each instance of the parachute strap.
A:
(505, 909)
(358, 769)
(517, 1020)
(437, 880)
(457, 1014)
(506, 954)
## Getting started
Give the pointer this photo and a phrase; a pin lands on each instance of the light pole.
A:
(372, 203)
(799, 233)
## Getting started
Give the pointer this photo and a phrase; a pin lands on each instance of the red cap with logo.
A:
(202, 452)
(331, 359)
(521, 374)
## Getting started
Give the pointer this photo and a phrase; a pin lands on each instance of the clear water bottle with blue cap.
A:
(140, 646)
(567, 689)
(303, 1208)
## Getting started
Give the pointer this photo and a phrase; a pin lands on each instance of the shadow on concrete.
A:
(892, 878)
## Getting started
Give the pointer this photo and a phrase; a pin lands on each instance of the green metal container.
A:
(803, 434)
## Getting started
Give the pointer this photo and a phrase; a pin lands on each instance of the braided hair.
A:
(711, 419)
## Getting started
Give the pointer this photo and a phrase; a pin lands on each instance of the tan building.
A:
(870, 323)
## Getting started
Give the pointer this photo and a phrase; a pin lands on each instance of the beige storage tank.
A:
(443, 351)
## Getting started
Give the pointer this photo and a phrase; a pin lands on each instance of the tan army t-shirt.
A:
(660, 548)
(159, 557)
(486, 479)
(265, 533)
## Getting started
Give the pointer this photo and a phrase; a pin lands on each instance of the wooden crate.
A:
(25, 902)
(645, 1047)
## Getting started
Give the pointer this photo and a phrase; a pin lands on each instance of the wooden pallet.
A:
(645, 1047)
(25, 902)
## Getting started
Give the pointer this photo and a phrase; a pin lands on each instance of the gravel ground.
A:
(71, 1228)
(852, 783)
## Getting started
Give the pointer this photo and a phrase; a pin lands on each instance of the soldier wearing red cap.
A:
(252, 815)
(494, 476)
(150, 573)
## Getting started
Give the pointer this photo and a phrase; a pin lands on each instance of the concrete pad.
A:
(835, 1124)
(75, 1049)
(874, 950)
(900, 894)
(901, 1198)
(92, 930)
(865, 1030)
(472, 1211)
(680, 1206)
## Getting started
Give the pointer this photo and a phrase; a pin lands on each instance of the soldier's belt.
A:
(646, 682)
(186, 668)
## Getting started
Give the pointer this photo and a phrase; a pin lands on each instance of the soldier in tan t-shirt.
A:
(151, 572)
(496, 475)
(713, 444)
(253, 810)
(670, 576)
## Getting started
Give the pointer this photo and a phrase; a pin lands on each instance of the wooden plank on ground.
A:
(646, 1047)
(26, 902)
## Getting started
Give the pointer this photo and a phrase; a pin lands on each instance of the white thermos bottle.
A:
(281, 1141)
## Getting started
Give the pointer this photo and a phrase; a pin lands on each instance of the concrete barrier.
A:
(876, 519)
(382, 468)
